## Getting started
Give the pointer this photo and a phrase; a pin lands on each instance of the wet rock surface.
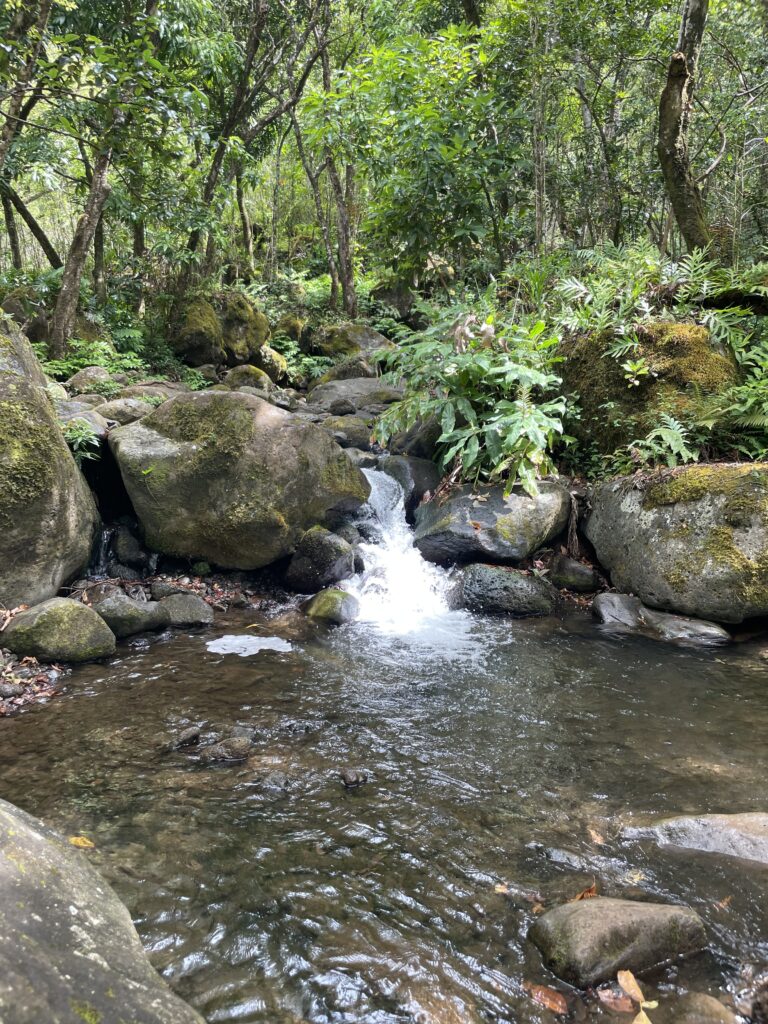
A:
(573, 575)
(627, 613)
(730, 835)
(497, 588)
(60, 630)
(186, 610)
(321, 558)
(126, 616)
(332, 606)
(588, 941)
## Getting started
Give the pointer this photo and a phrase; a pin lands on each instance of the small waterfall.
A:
(400, 593)
(101, 550)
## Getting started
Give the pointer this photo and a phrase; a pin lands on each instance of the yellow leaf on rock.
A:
(82, 843)
(629, 983)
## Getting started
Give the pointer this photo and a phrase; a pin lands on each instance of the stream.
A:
(501, 758)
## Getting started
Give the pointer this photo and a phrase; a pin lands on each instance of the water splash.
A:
(402, 595)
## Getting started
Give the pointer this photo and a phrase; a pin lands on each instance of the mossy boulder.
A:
(68, 949)
(692, 540)
(571, 574)
(290, 326)
(200, 337)
(589, 941)
(349, 340)
(60, 629)
(361, 393)
(87, 379)
(349, 431)
(47, 514)
(244, 328)
(683, 365)
(272, 363)
(499, 588)
(332, 606)
(348, 369)
(321, 558)
(228, 478)
(247, 376)
(468, 526)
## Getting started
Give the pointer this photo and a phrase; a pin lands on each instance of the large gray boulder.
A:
(360, 392)
(124, 410)
(47, 515)
(228, 478)
(60, 629)
(498, 588)
(68, 950)
(588, 941)
(483, 525)
(625, 613)
(349, 340)
(693, 540)
(731, 835)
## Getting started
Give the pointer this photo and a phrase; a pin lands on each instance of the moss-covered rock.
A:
(348, 369)
(499, 588)
(226, 477)
(244, 328)
(332, 606)
(200, 338)
(692, 540)
(272, 363)
(68, 950)
(349, 431)
(683, 364)
(60, 630)
(87, 379)
(466, 526)
(47, 515)
(321, 558)
(290, 326)
(247, 376)
(349, 340)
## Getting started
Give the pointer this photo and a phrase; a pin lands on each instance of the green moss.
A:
(682, 362)
(744, 488)
(219, 425)
(247, 376)
(290, 326)
(200, 336)
(87, 1013)
(30, 450)
(340, 477)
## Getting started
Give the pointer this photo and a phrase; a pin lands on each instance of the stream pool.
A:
(501, 760)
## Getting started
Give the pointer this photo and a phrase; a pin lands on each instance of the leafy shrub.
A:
(83, 440)
(82, 353)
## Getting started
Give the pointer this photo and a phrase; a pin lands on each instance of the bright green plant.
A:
(83, 440)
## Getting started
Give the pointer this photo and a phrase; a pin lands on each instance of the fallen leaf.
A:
(628, 982)
(724, 904)
(595, 836)
(618, 1002)
(537, 908)
(553, 1000)
(501, 888)
(475, 525)
(82, 842)
(642, 1018)
(586, 894)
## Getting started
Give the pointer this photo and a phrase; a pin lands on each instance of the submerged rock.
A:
(125, 616)
(630, 614)
(731, 835)
(187, 610)
(571, 574)
(466, 525)
(697, 1008)
(60, 630)
(228, 478)
(332, 605)
(234, 748)
(68, 949)
(498, 588)
(48, 517)
(693, 540)
(321, 558)
(588, 941)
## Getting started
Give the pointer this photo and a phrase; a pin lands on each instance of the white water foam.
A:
(246, 645)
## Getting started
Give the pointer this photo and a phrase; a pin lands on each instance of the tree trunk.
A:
(245, 222)
(66, 304)
(13, 233)
(344, 231)
(99, 276)
(27, 216)
(16, 101)
(139, 249)
(674, 120)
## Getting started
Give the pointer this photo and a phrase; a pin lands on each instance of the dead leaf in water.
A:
(501, 888)
(82, 843)
(549, 997)
(595, 836)
(586, 894)
(617, 1002)
(724, 904)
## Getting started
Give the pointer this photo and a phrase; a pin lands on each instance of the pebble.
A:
(351, 778)
(11, 690)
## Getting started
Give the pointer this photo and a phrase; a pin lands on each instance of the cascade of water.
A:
(101, 550)
(400, 593)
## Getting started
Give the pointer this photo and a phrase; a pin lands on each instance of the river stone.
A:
(48, 517)
(588, 941)
(124, 410)
(349, 369)
(573, 575)
(60, 629)
(349, 340)
(697, 1008)
(732, 835)
(234, 748)
(230, 479)
(332, 605)
(349, 431)
(70, 412)
(68, 950)
(466, 525)
(629, 613)
(693, 540)
(273, 363)
(321, 558)
(128, 550)
(125, 616)
(416, 476)
(87, 378)
(497, 588)
(187, 610)
(247, 376)
(361, 392)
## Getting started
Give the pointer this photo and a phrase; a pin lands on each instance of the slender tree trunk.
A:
(344, 231)
(245, 222)
(13, 233)
(16, 100)
(66, 304)
(99, 275)
(36, 230)
(674, 121)
(139, 250)
(313, 177)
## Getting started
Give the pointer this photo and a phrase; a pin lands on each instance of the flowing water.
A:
(501, 759)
